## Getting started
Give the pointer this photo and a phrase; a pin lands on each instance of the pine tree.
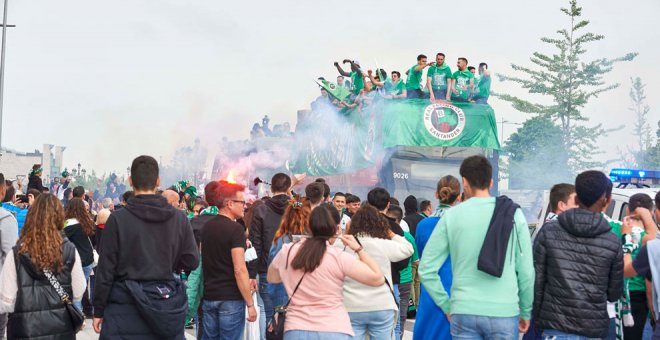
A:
(571, 83)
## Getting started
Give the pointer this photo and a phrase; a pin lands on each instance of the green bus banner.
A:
(421, 123)
(328, 143)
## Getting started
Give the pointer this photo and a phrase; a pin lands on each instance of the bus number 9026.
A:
(400, 175)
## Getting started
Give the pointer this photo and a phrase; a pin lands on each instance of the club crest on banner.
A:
(444, 121)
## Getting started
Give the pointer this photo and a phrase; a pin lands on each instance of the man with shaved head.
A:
(172, 197)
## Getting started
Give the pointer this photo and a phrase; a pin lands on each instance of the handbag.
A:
(77, 318)
(252, 331)
(275, 329)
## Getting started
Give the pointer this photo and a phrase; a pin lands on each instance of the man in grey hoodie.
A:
(8, 238)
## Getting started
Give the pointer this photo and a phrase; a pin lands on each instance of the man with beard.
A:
(438, 79)
(462, 83)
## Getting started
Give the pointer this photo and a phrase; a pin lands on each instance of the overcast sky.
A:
(112, 80)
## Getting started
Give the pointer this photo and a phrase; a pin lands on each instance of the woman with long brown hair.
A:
(372, 310)
(294, 224)
(313, 274)
(36, 310)
(78, 227)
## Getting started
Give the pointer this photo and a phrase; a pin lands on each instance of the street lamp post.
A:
(2, 66)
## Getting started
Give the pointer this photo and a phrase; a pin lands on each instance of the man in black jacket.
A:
(265, 222)
(579, 265)
(147, 241)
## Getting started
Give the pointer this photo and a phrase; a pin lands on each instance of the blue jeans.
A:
(223, 319)
(612, 330)
(484, 327)
(309, 335)
(87, 271)
(415, 94)
(551, 334)
(265, 302)
(378, 324)
(397, 327)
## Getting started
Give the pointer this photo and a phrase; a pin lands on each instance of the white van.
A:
(616, 210)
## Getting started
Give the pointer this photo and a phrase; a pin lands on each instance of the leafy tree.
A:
(641, 129)
(570, 83)
(647, 153)
(536, 155)
(649, 158)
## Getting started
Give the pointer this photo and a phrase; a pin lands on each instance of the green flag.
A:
(421, 123)
(339, 92)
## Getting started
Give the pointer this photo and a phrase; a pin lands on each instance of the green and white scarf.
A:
(442, 208)
(211, 210)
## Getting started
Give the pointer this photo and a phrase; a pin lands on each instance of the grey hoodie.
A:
(8, 233)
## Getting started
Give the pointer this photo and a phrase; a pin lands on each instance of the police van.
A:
(627, 182)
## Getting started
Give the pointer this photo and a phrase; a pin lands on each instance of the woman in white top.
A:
(36, 310)
(373, 310)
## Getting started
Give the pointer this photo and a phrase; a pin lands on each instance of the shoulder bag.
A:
(275, 329)
(77, 318)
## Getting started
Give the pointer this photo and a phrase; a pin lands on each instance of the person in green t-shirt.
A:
(380, 82)
(482, 86)
(395, 88)
(340, 81)
(475, 90)
(356, 75)
(438, 79)
(462, 83)
(639, 215)
(413, 85)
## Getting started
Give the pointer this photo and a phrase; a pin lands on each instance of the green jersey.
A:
(439, 76)
(395, 89)
(637, 283)
(477, 78)
(357, 80)
(483, 90)
(414, 79)
(462, 79)
(406, 273)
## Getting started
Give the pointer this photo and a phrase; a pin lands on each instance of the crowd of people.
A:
(466, 84)
(310, 263)
(264, 130)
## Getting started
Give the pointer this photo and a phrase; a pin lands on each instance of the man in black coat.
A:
(146, 242)
(264, 224)
(579, 265)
